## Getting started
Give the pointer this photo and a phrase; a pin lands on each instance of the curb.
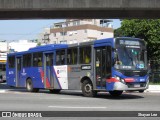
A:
(153, 88)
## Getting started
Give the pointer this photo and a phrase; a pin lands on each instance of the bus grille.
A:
(132, 85)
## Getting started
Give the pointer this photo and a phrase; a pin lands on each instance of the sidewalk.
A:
(153, 88)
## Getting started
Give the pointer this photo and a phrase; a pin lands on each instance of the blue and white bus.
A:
(113, 65)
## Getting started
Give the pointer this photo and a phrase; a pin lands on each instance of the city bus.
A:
(113, 65)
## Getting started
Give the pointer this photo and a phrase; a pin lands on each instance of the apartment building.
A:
(78, 30)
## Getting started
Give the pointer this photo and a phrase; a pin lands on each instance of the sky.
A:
(29, 29)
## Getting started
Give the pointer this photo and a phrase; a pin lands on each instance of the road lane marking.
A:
(76, 107)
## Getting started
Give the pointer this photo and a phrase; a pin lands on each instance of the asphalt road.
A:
(13, 99)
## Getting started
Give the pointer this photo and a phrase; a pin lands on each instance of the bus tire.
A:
(141, 91)
(55, 91)
(115, 93)
(29, 86)
(87, 89)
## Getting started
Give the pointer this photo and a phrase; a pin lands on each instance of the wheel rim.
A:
(88, 88)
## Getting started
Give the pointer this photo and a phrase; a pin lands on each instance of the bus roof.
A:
(104, 40)
(48, 47)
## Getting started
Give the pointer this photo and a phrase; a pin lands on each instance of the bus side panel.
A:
(35, 73)
(60, 77)
(22, 79)
(10, 77)
(76, 73)
(74, 77)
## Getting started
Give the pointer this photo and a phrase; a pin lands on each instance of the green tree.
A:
(147, 29)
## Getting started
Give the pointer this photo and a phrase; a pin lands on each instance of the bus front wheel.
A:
(29, 86)
(115, 93)
(87, 89)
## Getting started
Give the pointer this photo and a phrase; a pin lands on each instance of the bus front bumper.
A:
(124, 87)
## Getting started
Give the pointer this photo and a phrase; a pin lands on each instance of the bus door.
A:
(103, 65)
(18, 70)
(48, 70)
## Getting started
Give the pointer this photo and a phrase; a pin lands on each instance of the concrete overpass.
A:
(46, 9)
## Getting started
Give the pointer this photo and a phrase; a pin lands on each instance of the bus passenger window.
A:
(37, 59)
(60, 57)
(85, 55)
(11, 61)
(39, 62)
(27, 60)
(72, 56)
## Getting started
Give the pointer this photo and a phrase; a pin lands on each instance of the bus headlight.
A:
(122, 80)
(118, 78)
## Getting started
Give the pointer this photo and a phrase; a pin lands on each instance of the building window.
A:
(67, 24)
(74, 41)
(74, 23)
(63, 33)
(54, 42)
(78, 22)
(75, 32)
(71, 42)
(85, 31)
(70, 33)
(54, 34)
(46, 38)
(102, 33)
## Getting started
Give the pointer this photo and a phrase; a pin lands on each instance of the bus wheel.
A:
(115, 93)
(29, 86)
(55, 91)
(141, 91)
(87, 89)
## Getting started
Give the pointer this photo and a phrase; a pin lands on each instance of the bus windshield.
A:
(129, 57)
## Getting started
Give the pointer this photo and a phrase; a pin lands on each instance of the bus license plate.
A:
(136, 85)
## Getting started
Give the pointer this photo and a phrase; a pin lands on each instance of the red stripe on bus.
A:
(42, 77)
(129, 79)
(112, 80)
